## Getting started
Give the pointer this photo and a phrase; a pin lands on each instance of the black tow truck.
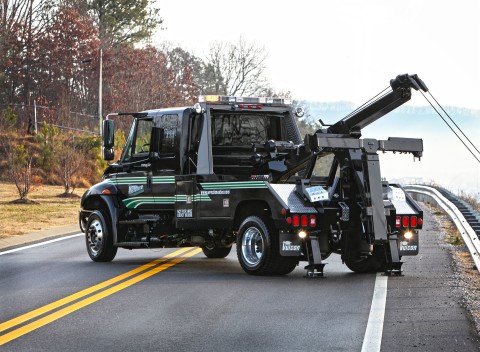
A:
(235, 170)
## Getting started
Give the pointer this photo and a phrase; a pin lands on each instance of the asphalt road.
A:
(53, 298)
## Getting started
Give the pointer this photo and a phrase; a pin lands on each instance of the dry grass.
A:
(51, 210)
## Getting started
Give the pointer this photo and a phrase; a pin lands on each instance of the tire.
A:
(258, 249)
(359, 266)
(377, 262)
(98, 239)
(214, 251)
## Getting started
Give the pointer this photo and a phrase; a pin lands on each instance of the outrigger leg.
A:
(315, 264)
(394, 265)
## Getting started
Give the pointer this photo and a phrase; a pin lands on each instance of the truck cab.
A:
(185, 174)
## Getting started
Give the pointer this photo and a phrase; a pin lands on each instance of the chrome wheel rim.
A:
(252, 246)
(95, 237)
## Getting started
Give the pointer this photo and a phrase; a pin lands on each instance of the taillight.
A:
(398, 221)
(296, 221)
(413, 221)
(289, 220)
(405, 221)
(420, 221)
(242, 106)
(313, 221)
(304, 221)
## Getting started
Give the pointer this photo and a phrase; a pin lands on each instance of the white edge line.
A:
(40, 244)
(372, 342)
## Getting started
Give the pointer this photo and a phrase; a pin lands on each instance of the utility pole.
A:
(100, 96)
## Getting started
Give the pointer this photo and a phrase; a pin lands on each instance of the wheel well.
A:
(251, 207)
(97, 203)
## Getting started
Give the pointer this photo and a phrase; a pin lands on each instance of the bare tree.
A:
(71, 164)
(238, 68)
(21, 23)
(20, 168)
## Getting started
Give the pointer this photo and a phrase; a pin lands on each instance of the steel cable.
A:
(461, 140)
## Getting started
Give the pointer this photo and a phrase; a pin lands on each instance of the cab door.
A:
(135, 181)
(166, 159)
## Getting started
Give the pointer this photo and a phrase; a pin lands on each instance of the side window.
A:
(169, 123)
(144, 132)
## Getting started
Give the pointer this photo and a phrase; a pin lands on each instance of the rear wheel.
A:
(258, 249)
(214, 251)
(376, 262)
(98, 239)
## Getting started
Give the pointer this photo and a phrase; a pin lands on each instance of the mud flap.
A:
(409, 246)
(290, 245)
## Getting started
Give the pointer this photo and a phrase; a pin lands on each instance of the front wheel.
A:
(98, 239)
(258, 249)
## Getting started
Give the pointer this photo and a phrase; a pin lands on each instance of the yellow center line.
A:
(54, 305)
(89, 300)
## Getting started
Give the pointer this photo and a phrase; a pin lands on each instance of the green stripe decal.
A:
(127, 180)
(134, 202)
(234, 185)
(141, 180)
(163, 179)
(201, 197)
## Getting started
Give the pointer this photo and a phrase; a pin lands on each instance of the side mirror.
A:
(108, 134)
(108, 154)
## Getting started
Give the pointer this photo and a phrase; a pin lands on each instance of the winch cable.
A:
(446, 113)
(461, 140)
(369, 102)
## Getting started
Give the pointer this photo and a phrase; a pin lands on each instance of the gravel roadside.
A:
(466, 277)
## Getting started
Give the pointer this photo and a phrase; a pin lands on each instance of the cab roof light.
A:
(252, 102)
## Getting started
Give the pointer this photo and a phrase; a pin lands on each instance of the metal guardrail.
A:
(433, 196)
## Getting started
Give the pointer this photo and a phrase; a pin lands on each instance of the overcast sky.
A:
(343, 49)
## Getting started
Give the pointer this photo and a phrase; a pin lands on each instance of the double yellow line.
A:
(144, 271)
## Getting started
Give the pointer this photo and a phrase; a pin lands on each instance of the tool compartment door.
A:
(184, 202)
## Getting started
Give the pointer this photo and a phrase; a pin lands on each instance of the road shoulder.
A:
(425, 309)
(12, 242)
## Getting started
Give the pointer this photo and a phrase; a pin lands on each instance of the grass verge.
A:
(51, 210)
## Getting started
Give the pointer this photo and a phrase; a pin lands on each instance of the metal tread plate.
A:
(292, 199)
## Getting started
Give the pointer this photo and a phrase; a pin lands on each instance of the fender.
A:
(102, 195)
